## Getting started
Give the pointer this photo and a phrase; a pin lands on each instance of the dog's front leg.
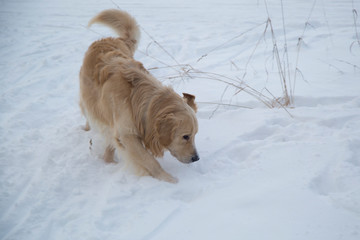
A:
(136, 152)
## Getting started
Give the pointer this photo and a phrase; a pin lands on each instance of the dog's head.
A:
(175, 129)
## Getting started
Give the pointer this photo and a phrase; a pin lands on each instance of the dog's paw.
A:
(167, 178)
(86, 127)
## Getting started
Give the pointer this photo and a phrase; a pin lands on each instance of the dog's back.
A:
(103, 57)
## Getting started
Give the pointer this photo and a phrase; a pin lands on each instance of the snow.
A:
(264, 173)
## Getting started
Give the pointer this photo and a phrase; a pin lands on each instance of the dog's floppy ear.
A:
(190, 100)
(166, 127)
(160, 134)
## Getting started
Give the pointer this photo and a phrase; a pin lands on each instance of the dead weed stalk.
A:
(287, 76)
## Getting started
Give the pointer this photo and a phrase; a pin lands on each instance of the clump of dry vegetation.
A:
(287, 76)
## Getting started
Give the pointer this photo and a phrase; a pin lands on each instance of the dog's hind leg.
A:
(87, 125)
(109, 154)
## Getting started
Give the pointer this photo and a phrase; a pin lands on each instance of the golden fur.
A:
(135, 113)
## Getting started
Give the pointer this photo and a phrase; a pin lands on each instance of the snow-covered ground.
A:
(263, 174)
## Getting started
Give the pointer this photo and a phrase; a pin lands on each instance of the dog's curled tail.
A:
(123, 24)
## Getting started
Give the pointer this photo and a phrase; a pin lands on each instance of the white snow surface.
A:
(264, 173)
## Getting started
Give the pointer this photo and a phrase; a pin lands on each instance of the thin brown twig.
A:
(159, 45)
(351, 64)
(230, 40)
(225, 104)
(256, 46)
(299, 44)
(287, 62)
(355, 16)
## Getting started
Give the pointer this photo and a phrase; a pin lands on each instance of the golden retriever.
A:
(136, 114)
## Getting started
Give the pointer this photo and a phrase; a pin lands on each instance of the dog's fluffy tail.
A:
(124, 25)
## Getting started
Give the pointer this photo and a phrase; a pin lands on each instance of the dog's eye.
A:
(186, 137)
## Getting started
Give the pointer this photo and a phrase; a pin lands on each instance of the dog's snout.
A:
(195, 158)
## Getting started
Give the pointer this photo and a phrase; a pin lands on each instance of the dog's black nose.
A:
(195, 158)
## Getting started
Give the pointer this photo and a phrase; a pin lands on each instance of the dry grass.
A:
(355, 16)
(187, 71)
(287, 76)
